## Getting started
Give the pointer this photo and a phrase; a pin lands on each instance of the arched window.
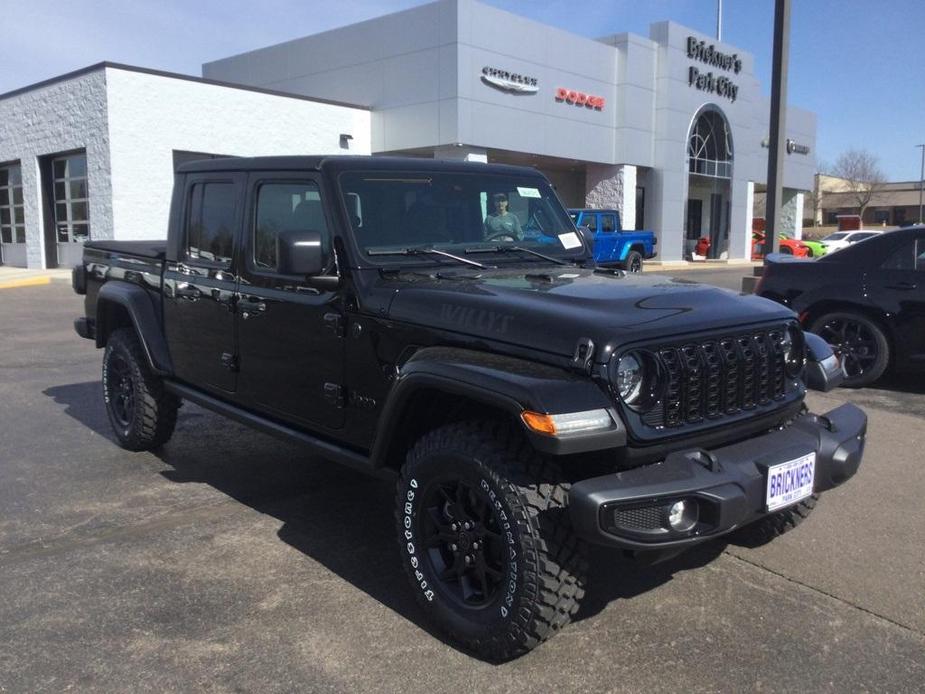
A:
(709, 149)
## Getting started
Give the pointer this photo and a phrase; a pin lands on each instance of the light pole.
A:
(921, 183)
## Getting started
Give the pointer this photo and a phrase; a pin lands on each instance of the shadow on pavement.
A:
(338, 517)
(83, 402)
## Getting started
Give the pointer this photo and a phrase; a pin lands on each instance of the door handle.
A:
(185, 290)
(251, 305)
(902, 286)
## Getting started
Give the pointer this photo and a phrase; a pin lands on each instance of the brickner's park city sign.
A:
(707, 81)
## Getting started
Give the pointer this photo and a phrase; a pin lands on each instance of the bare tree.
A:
(862, 174)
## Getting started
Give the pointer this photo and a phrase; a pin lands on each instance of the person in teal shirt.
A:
(502, 222)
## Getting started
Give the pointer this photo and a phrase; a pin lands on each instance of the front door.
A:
(290, 335)
(898, 287)
(200, 284)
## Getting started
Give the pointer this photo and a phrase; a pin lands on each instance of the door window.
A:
(608, 222)
(285, 207)
(12, 222)
(909, 256)
(590, 221)
(210, 225)
(71, 199)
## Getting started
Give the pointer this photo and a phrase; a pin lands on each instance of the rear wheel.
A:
(142, 413)
(861, 344)
(633, 262)
(485, 538)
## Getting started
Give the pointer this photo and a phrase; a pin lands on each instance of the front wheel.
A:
(861, 344)
(633, 262)
(485, 538)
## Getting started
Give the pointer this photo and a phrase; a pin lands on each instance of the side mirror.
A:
(823, 369)
(300, 253)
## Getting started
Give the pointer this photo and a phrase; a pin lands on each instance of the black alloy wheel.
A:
(633, 262)
(142, 413)
(486, 540)
(120, 391)
(860, 344)
(462, 540)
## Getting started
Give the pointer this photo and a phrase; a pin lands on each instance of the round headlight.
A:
(629, 378)
(794, 349)
(636, 379)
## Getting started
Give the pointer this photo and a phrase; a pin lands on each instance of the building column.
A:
(742, 215)
(667, 212)
(461, 153)
(791, 213)
(612, 188)
(34, 213)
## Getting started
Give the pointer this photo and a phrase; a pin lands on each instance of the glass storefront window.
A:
(72, 205)
(12, 220)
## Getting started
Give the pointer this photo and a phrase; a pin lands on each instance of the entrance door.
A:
(290, 335)
(717, 244)
(200, 284)
(694, 219)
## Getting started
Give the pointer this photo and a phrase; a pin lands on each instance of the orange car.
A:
(787, 245)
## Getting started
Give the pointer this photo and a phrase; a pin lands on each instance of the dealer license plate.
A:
(791, 481)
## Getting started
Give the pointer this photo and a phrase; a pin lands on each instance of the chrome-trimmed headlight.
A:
(636, 379)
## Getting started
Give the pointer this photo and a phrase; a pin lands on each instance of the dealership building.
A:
(669, 129)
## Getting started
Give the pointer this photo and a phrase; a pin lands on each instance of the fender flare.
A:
(137, 303)
(506, 383)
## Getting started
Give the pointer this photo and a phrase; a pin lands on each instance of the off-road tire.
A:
(143, 415)
(544, 563)
(881, 359)
(763, 531)
(633, 262)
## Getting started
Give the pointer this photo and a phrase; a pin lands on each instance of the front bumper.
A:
(728, 485)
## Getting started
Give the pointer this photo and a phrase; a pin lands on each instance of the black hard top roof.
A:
(338, 163)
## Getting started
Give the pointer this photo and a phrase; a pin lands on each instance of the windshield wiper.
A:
(508, 249)
(424, 251)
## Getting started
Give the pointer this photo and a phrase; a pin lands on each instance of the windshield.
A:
(455, 212)
(838, 236)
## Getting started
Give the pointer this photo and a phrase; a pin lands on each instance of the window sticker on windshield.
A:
(528, 192)
(569, 240)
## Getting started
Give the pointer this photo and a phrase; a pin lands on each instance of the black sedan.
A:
(868, 300)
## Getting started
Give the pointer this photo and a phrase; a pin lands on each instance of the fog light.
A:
(682, 515)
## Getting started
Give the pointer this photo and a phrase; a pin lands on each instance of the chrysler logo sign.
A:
(509, 81)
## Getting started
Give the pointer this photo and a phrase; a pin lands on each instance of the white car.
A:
(843, 239)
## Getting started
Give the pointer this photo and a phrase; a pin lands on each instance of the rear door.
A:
(290, 335)
(897, 287)
(200, 284)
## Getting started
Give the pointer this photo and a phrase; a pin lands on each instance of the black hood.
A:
(551, 309)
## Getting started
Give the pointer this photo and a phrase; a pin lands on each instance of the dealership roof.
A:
(171, 75)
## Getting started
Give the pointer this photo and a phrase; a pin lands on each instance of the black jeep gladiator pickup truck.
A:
(386, 314)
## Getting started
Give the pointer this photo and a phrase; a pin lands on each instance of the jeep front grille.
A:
(719, 377)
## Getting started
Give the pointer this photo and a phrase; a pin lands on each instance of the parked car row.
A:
(867, 300)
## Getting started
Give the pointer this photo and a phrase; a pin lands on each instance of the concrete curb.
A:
(26, 282)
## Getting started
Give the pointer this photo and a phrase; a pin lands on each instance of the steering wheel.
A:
(498, 235)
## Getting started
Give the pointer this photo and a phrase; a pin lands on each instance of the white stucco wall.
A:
(152, 115)
(57, 118)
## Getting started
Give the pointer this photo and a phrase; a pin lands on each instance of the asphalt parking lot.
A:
(230, 562)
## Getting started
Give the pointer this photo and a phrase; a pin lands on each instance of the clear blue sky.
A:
(858, 64)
